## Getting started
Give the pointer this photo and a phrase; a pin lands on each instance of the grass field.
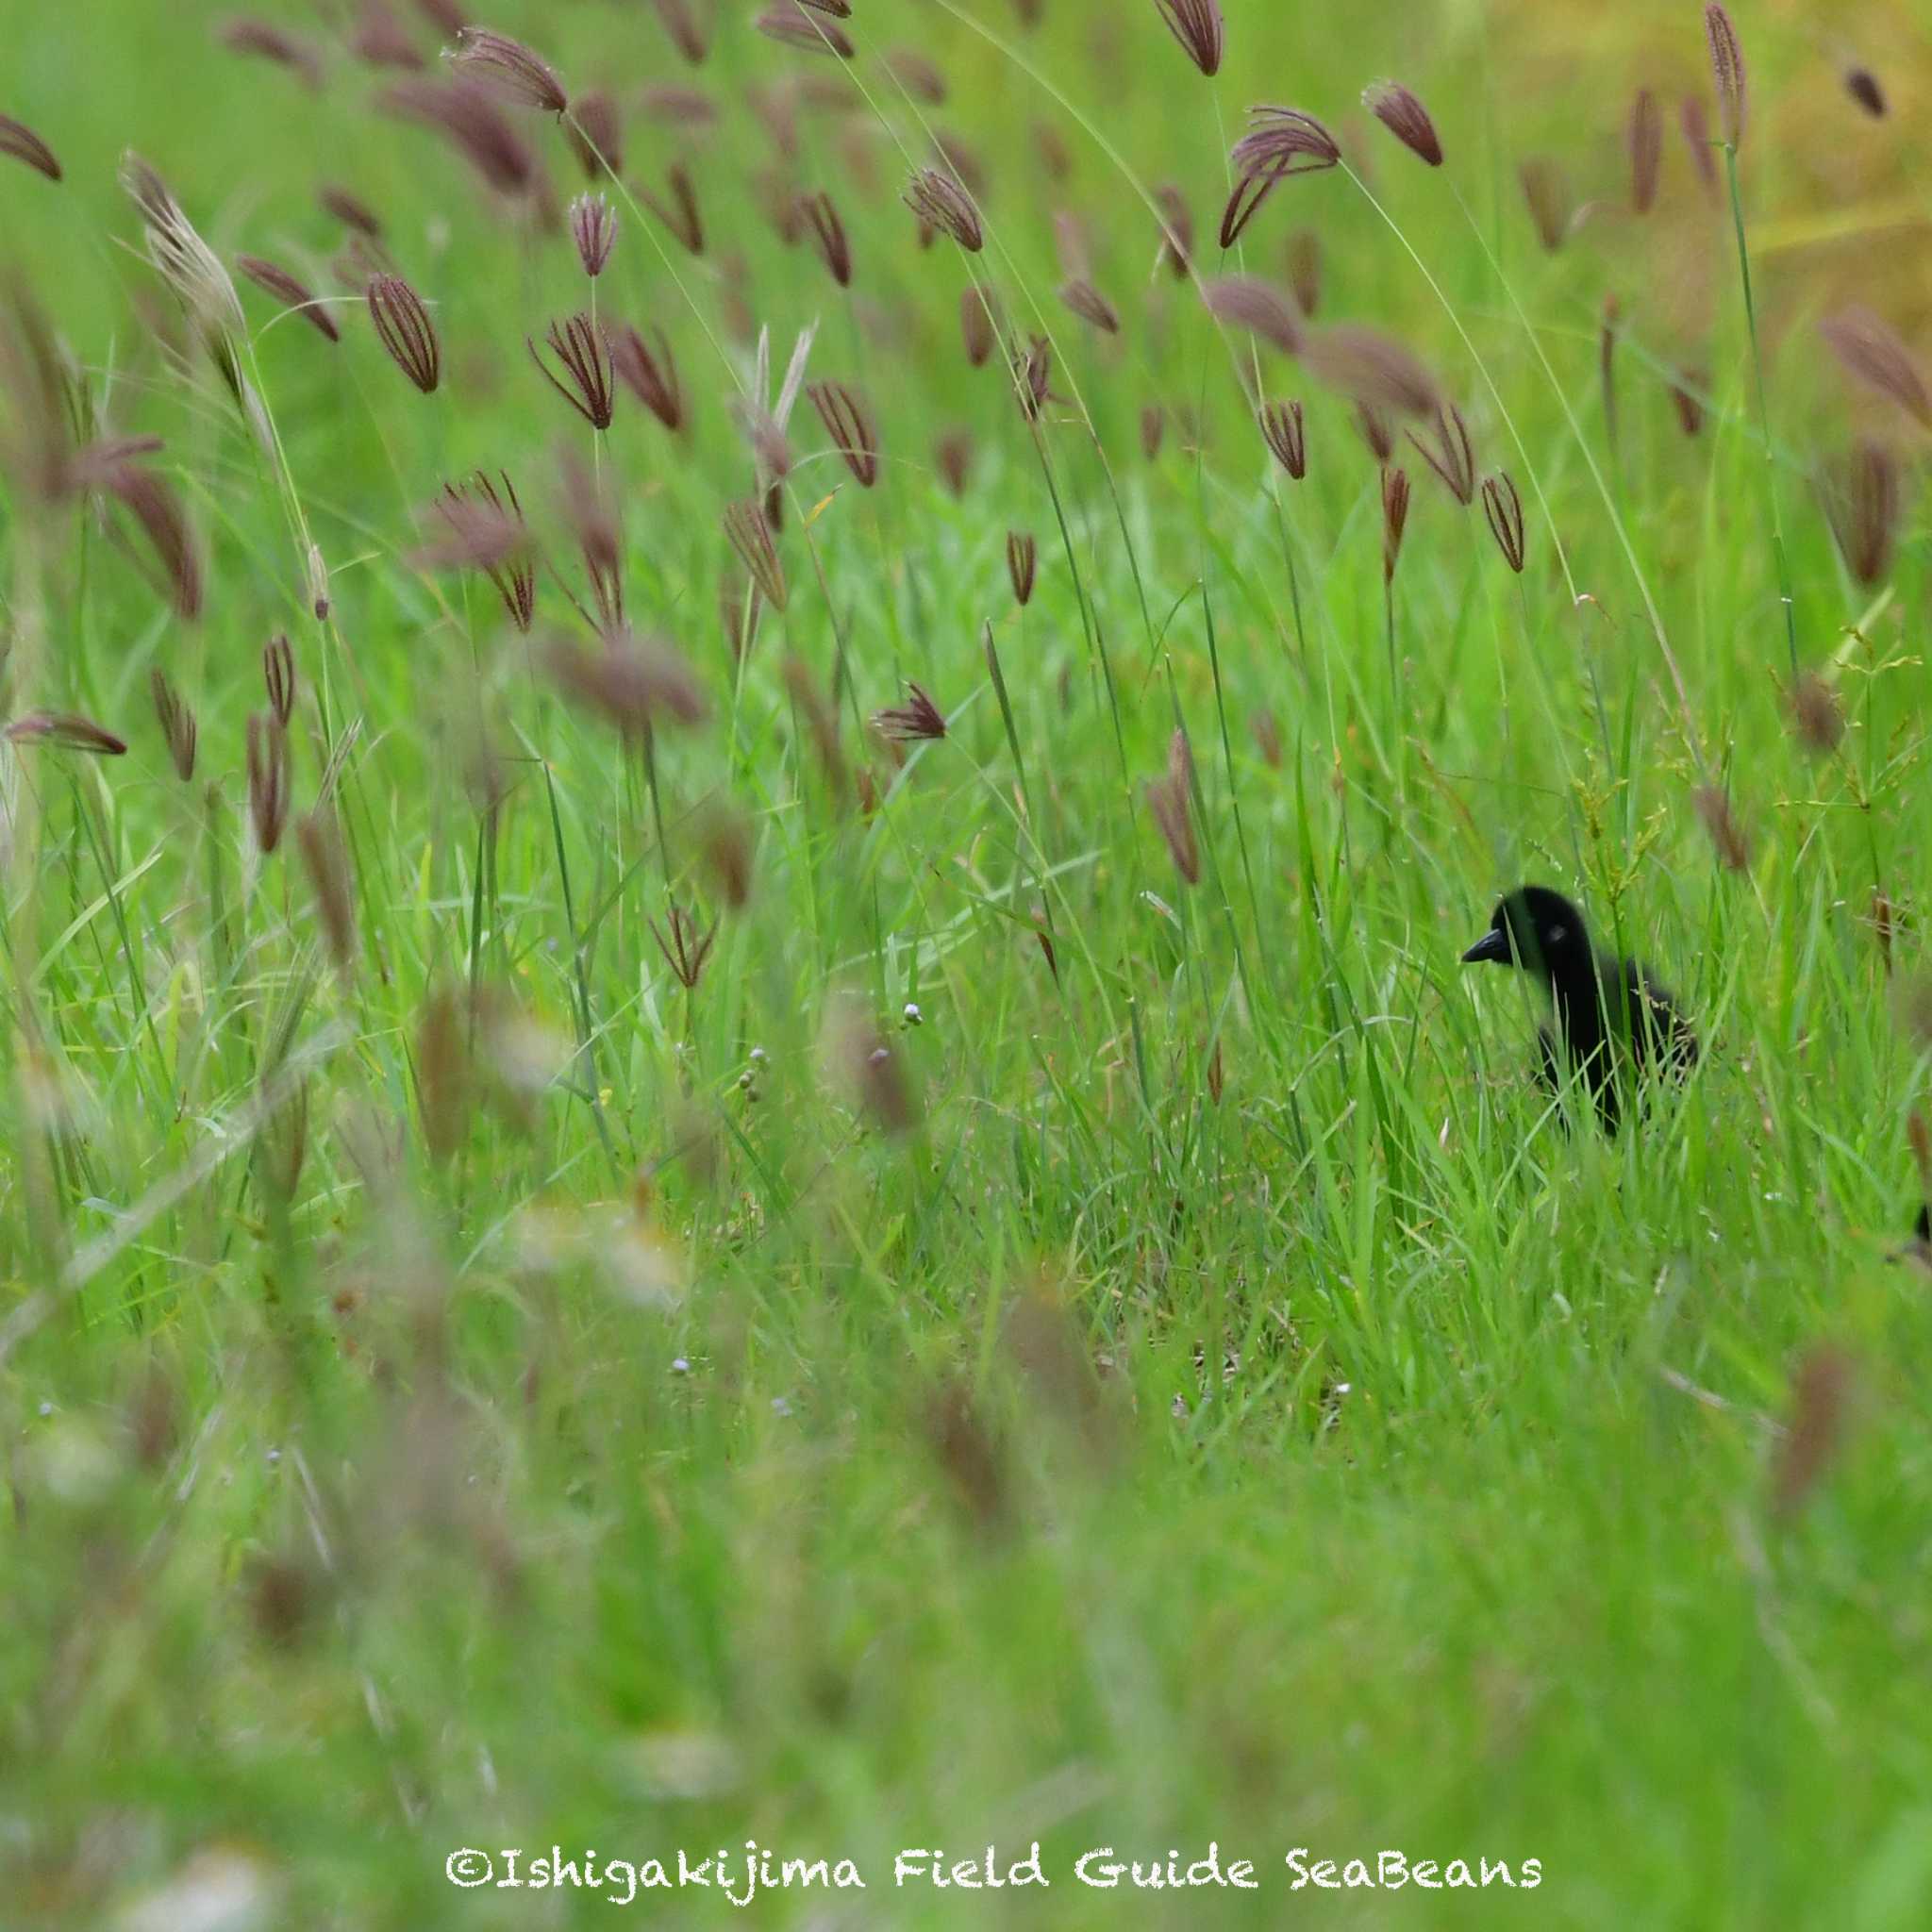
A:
(597, 1251)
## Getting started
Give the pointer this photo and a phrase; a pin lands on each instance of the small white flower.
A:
(913, 1016)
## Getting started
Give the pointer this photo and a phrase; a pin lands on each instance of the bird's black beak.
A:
(1493, 946)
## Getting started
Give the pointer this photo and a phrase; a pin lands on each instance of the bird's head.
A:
(1535, 928)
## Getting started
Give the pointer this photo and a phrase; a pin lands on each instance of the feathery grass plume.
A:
(913, 722)
(793, 24)
(750, 535)
(1090, 306)
(1688, 390)
(687, 32)
(350, 209)
(1862, 85)
(1816, 714)
(1728, 72)
(1872, 352)
(179, 730)
(651, 377)
(1153, 430)
(1176, 232)
(631, 682)
(287, 289)
(315, 582)
(1280, 142)
(446, 1073)
(1377, 432)
(65, 731)
(594, 519)
(960, 162)
(1822, 1391)
(1862, 499)
(1052, 151)
(1453, 459)
(941, 203)
(917, 76)
(849, 424)
(1504, 508)
(686, 949)
(1032, 379)
(577, 343)
(508, 69)
(470, 118)
(1643, 142)
(1266, 730)
(264, 40)
(92, 467)
(1546, 194)
(1370, 368)
(1726, 836)
(153, 504)
(402, 324)
(1286, 434)
(594, 228)
(488, 533)
(1406, 118)
(596, 133)
(1695, 126)
(725, 843)
(18, 140)
(828, 236)
(378, 38)
(979, 321)
(972, 1458)
(1168, 799)
(679, 107)
(1302, 262)
(764, 423)
(1258, 307)
(268, 780)
(279, 676)
(1070, 246)
(864, 1061)
(1394, 520)
(780, 203)
(1198, 27)
(319, 838)
(193, 271)
(1023, 560)
(680, 213)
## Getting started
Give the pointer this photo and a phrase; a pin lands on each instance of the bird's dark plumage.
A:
(1606, 1009)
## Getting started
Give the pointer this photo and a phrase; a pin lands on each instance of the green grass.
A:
(1234, 1408)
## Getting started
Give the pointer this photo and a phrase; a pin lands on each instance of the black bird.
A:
(1599, 999)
